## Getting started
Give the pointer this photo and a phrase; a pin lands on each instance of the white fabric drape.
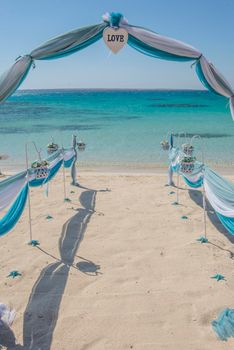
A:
(11, 190)
(220, 206)
(194, 177)
(215, 78)
(7, 315)
(162, 43)
(69, 154)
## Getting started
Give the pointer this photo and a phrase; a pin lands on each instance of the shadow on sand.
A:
(196, 196)
(88, 267)
(41, 313)
(7, 338)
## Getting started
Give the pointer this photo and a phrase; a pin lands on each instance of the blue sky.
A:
(205, 24)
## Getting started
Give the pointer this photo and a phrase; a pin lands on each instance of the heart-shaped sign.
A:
(115, 38)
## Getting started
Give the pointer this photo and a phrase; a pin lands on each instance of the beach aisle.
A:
(117, 268)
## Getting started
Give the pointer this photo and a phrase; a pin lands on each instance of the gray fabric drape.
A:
(68, 43)
(58, 47)
(215, 79)
(11, 79)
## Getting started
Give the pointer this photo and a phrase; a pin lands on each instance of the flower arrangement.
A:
(165, 145)
(39, 164)
(52, 147)
(187, 149)
(187, 164)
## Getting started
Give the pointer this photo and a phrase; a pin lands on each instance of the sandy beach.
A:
(117, 268)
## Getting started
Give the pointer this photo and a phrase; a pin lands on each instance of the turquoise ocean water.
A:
(121, 127)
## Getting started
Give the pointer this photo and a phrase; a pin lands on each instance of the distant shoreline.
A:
(106, 168)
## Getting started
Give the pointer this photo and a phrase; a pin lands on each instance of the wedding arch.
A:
(116, 32)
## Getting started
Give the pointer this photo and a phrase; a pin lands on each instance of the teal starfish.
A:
(67, 200)
(184, 217)
(218, 277)
(14, 274)
(34, 243)
(202, 239)
(175, 203)
(49, 217)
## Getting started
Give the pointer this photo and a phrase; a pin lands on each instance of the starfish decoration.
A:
(202, 239)
(34, 243)
(175, 203)
(49, 217)
(218, 277)
(184, 217)
(67, 200)
(14, 274)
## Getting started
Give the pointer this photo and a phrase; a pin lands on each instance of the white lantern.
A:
(81, 146)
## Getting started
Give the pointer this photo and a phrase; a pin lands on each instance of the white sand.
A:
(138, 280)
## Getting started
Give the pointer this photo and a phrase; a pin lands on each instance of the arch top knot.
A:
(114, 19)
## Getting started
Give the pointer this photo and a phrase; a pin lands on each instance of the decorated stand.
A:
(15, 190)
(40, 169)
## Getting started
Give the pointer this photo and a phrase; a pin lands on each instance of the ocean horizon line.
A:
(112, 89)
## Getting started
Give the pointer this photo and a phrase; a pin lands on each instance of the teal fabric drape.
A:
(68, 163)
(224, 325)
(14, 213)
(227, 222)
(192, 184)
